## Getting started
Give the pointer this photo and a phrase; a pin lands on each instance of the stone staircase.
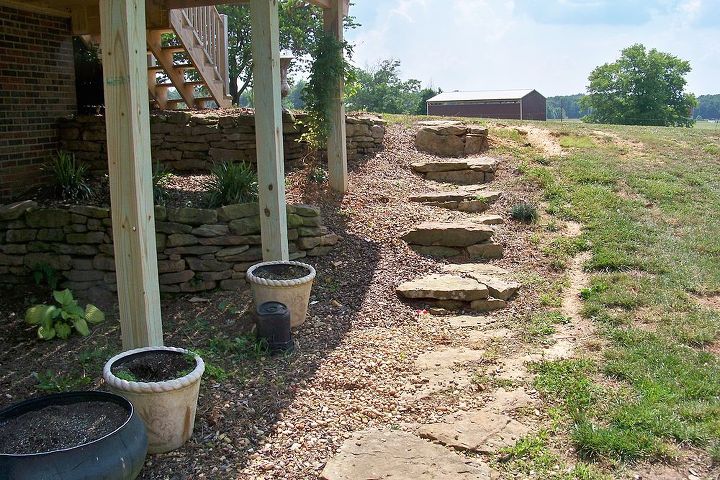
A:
(190, 58)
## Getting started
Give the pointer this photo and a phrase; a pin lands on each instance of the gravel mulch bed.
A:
(285, 416)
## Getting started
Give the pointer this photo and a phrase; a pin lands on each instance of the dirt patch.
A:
(543, 140)
(630, 147)
(709, 301)
(60, 426)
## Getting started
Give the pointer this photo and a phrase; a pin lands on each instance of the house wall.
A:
(37, 87)
(482, 110)
(534, 106)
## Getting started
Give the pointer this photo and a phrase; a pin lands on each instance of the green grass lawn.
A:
(652, 223)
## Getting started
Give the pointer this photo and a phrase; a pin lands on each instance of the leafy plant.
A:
(51, 382)
(59, 321)
(231, 183)
(328, 70)
(318, 175)
(43, 271)
(160, 179)
(524, 212)
(69, 176)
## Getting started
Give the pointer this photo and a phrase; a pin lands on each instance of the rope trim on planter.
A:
(156, 387)
(280, 283)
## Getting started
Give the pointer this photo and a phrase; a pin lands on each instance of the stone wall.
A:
(198, 249)
(186, 140)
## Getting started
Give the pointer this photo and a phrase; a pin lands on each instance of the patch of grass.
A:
(542, 324)
(560, 250)
(576, 141)
(531, 456)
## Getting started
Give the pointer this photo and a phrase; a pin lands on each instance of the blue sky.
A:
(549, 45)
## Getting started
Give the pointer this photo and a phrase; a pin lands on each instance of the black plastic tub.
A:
(273, 325)
(119, 455)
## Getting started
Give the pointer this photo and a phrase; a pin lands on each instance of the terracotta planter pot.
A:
(293, 293)
(119, 455)
(168, 407)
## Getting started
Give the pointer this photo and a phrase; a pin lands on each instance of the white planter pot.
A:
(294, 293)
(168, 407)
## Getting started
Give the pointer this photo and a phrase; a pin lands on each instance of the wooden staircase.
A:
(189, 57)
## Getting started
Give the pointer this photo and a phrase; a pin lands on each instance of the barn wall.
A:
(534, 107)
(37, 87)
(483, 110)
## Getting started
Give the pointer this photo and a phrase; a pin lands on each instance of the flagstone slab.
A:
(449, 234)
(444, 287)
(378, 455)
(482, 431)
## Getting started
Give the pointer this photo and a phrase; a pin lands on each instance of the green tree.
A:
(565, 106)
(380, 89)
(300, 26)
(425, 94)
(643, 87)
(708, 107)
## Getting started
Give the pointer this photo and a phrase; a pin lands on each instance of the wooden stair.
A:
(192, 61)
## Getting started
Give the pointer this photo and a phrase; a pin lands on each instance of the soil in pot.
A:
(281, 272)
(59, 427)
(154, 366)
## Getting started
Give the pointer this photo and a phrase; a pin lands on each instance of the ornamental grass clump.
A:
(69, 176)
(524, 212)
(232, 183)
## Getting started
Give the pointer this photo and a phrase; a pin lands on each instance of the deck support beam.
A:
(130, 167)
(268, 128)
(336, 148)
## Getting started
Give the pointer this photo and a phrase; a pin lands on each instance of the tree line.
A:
(568, 107)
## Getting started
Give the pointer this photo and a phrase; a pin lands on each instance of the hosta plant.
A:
(60, 320)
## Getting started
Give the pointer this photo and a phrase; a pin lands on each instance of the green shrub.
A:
(524, 212)
(58, 321)
(69, 176)
(232, 183)
(44, 272)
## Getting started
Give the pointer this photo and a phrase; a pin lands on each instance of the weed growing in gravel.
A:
(524, 212)
(542, 324)
(52, 382)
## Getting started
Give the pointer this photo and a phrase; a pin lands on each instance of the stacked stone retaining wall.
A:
(198, 249)
(192, 141)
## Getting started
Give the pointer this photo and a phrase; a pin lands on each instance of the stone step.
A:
(474, 170)
(480, 292)
(451, 139)
(472, 199)
(481, 431)
(449, 234)
(399, 455)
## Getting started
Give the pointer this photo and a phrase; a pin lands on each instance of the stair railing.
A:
(211, 33)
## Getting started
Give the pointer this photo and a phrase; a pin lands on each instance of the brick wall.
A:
(37, 87)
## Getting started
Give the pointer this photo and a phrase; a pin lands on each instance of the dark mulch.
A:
(281, 272)
(154, 366)
(59, 427)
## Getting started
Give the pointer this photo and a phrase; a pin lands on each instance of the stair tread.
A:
(177, 65)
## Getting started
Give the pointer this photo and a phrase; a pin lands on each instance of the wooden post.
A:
(129, 163)
(337, 152)
(268, 128)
